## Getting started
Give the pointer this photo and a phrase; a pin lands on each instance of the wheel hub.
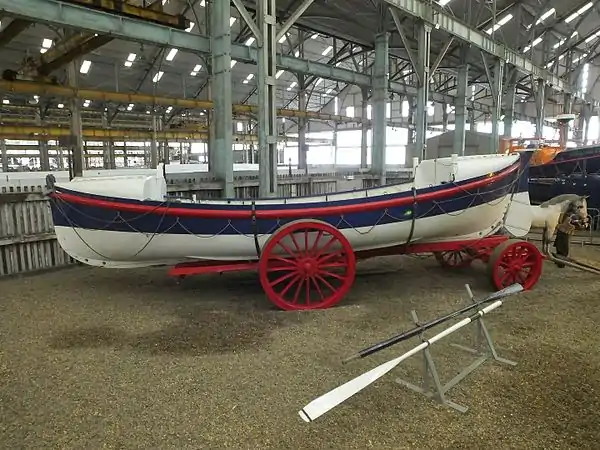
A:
(307, 267)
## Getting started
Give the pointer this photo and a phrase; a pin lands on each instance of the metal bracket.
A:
(483, 348)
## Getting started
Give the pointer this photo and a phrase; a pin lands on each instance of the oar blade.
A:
(340, 394)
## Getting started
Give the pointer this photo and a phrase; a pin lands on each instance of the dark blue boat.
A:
(574, 171)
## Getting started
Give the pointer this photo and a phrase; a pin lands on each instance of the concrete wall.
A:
(442, 146)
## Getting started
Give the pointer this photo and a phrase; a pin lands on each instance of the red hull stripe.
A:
(300, 213)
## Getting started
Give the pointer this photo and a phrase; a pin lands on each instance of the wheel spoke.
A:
(332, 275)
(330, 256)
(293, 237)
(283, 278)
(325, 247)
(288, 261)
(333, 265)
(297, 291)
(306, 250)
(325, 282)
(297, 279)
(314, 280)
(287, 250)
(316, 243)
(506, 277)
(307, 289)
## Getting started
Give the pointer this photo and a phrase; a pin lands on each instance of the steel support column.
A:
(108, 155)
(568, 104)
(4, 155)
(460, 111)
(509, 103)
(364, 129)
(444, 117)
(380, 95)
(267, 112)
(423, 54)
(496, 85)
(221, 94)
(540, 104)
(586, 115)
(302, 149)
(125, 159)
(78, 159)
(43, 145)
(153, 162)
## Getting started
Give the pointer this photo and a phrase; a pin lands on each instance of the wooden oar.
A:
(331, 399)
(510, 290)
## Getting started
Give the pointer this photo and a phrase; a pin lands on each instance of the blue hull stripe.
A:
(89, 216)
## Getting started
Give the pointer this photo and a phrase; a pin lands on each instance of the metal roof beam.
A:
(12, 30)
(73, 16)
(445, 22)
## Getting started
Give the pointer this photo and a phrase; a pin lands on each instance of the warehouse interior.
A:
(174, 174)
(342, 84)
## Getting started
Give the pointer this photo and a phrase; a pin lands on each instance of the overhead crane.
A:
(101, 134)
(52, 90)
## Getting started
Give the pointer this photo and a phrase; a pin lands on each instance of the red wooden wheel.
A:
(307, 264)
(515, 261)
(454, 258)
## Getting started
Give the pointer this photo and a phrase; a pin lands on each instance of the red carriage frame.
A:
(307, 266)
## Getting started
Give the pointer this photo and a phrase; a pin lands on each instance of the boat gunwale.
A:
(305, 211)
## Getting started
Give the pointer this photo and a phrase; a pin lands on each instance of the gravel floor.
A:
(92, 358)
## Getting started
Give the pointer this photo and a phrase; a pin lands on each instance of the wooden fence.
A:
(27, 239)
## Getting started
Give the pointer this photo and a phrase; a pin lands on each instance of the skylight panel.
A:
(158, 76)
(248, 78)
(292, 86)
(203, 3)
(85, 66)
(86, 103)
(327, 51)
(232, 21)
(190, 27)
(559, 43)
(443, 2)
(6, 101)
(279, 73)
(233, 62)
(171, 55)
(282, 39)
(545, 15)
(130, 107)
(500, 23)
(250, 41)
(195, 70)
(579, 12)
(592, 37)
(130, 59)
(533, 44)
(46, 44)
(60, 105)
(315, 36)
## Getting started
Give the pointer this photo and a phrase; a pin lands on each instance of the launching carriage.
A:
(305, 249)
